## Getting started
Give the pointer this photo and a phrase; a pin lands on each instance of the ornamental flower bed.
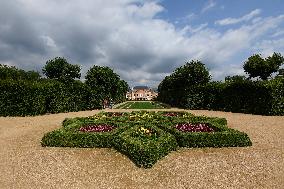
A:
(171, 114)
(194, 127)
(145, 145)
(114, 114)
(97, 128)
(145, 137)
(145, 133)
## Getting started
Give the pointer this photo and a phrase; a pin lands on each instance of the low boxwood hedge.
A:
(70, 136)
(221, 137)
(145, 151)
(131, 135)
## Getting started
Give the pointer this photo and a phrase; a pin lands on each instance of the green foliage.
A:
(276, 88)
(257, 66)
(13, 73)
(236, 94)
(20, 98)
(183, 79)
(221, 137)
(145, 150)
(145, 137)
(59, 69)
(106, 84)
(25, 93)
(141, 105)
(70, 136)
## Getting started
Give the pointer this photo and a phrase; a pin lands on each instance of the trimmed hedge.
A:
(221, 137)
(145, 152)
(70, 136)
(132, 137)
(244, 96)
(21, 98)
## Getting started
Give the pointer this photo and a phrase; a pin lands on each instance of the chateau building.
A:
(141, 93)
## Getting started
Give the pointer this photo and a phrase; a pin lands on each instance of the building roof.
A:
(140, 87)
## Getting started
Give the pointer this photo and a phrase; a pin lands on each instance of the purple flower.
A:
(194, 127)
(97, 128)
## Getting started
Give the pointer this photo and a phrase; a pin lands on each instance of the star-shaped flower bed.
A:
(145, 137)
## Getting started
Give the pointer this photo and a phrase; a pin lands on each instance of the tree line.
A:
(60, 90)
(262, 92)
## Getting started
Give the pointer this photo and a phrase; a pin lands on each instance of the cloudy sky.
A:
(141, 40)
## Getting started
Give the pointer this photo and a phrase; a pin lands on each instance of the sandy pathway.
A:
(25, 164)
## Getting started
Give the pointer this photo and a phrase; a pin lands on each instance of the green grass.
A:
(141, 105)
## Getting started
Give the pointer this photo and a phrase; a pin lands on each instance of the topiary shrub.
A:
(145, 144)
(145, 137)
(219, 136)
(72, 134)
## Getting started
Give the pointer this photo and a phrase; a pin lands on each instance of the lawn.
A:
(142, 105)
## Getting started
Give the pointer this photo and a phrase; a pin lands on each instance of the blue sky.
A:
(141, 40)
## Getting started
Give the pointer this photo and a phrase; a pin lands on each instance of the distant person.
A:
(111, 103)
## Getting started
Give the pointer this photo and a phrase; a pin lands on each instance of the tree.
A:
(192, 73)
(235, 78)
(256, 66)
(185, 78)
(59, 69)
(280, 72)
(105, 83)
(11, 72)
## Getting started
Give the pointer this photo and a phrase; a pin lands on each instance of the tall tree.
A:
(59, 69)
(105, 83)
(173, 88)
(256, 66)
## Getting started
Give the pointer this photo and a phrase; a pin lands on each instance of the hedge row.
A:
(20, 98)
(245, 96)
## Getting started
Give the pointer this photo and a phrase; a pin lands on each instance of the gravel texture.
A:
(25, 164)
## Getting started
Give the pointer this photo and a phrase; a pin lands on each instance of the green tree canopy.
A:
(105, 83)
(59, 69)
(192, 73)
(172, 88)
(235, 78)
(256, 66)
(11, 72)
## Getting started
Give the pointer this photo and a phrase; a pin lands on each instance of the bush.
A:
(70, 136)
(221, 137)
(276, 87)
(21, 98)
(145, 151)
(145, 137)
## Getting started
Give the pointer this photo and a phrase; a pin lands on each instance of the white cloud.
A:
(122, 34)
(267, 47)
(209, 5)
(247, 17)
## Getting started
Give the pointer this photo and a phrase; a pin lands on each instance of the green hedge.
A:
(145, 152)
(21, 98)
(70, 136)
(244, 96)
(221, 137)
(130, 137)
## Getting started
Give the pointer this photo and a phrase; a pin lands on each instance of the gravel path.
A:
(25, 164)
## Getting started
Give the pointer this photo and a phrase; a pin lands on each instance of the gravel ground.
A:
(25, 164)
